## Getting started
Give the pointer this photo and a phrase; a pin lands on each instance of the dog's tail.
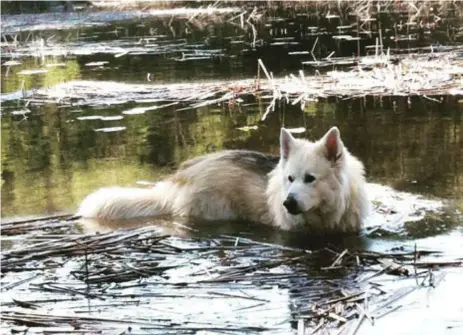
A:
(119, 203)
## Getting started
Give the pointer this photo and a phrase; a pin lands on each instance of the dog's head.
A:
(312, 172)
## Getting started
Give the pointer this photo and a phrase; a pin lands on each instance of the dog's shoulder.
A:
(254, 161)
(190, 162)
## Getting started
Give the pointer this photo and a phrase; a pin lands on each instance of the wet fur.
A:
(251, 186)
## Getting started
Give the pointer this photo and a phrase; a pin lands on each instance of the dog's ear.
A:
(332, 144)
(286, 143)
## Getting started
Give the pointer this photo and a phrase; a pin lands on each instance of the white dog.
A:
(312, 186)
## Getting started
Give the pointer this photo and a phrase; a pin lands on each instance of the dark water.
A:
(51, 159)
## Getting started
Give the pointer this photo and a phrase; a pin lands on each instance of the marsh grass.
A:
(66, 270)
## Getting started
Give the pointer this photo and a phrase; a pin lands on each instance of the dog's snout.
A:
(291, 205)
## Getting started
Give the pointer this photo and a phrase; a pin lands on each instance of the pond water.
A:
(54, 155)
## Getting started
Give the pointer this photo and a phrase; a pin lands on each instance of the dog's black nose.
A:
(291, 206)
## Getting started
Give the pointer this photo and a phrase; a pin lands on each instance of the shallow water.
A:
(54, 155)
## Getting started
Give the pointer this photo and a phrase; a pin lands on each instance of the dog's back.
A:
(227, 185)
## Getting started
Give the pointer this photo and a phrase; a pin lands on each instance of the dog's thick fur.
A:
(324, 182)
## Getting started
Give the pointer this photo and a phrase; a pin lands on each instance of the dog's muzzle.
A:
(291, 206)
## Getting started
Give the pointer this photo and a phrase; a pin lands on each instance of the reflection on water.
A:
(53, 159)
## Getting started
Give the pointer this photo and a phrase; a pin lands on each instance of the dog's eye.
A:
(291, 179)
(308, 178)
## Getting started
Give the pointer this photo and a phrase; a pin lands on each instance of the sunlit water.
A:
(53, 156)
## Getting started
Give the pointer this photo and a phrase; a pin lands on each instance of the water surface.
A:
(55, 153)
(52, 157)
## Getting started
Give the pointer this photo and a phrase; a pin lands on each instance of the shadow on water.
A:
(240, 230)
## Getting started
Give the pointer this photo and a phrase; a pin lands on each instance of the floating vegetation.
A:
(110, 129)
(91, 64)
(81, 279)
(11, 63)
(112, 118)
(142, 110)
(90, 117)
(434, 74)
(31, 72)
(248, 128)
(421, 75)
(298, 130)
(49, 21)
(21, 111)
(118, 48)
